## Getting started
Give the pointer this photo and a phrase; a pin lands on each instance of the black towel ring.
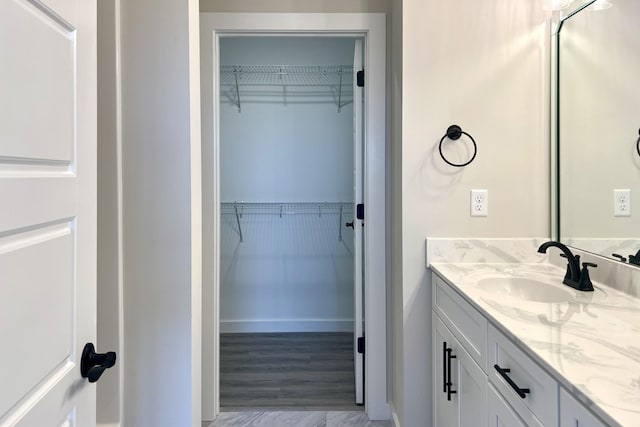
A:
(638, 144)
(454, 132)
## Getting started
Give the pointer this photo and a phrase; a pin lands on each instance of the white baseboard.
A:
(286, 325)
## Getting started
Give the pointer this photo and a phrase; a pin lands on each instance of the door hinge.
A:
(361, 345)
(360, 211)
(360, 78)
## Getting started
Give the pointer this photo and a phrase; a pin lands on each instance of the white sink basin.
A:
(526, 289)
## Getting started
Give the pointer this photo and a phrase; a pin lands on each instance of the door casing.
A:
(371, 28)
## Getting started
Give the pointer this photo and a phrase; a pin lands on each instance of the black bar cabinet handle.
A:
(444, 366)
(522, 392)
(449, 383)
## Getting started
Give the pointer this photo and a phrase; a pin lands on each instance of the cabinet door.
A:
(445, 405)
(472, 390)
(500, 413)
(462, 403)
(574, 414)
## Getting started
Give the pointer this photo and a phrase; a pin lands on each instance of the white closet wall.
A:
(286, 144)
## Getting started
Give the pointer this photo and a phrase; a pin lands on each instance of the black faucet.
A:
(575, 278)
(635, 259)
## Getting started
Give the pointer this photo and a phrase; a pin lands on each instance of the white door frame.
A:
(358, 230)
(371, 27)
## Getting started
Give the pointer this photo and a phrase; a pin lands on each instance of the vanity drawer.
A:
(539, 406)
(467, 324)
(573, 413)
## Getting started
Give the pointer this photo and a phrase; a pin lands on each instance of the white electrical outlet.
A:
(479, 202)
(622, 202)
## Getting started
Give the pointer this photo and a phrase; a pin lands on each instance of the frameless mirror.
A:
(597, 76)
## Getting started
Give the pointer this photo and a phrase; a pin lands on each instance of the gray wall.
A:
(161, 212)
(484, 66)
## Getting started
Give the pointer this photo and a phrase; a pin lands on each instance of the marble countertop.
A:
(590, 343)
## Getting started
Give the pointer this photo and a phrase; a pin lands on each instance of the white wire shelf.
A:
(325, 83)
(238, 209)
(285, 208)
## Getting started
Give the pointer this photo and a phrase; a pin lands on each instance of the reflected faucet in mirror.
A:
(633, 259)
(574, 277)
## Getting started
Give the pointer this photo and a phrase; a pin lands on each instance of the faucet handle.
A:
(585, 281)
(568, 277)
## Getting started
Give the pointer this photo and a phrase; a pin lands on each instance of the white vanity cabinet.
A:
(481, 378)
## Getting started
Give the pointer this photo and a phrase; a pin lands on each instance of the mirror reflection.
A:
(598, 122)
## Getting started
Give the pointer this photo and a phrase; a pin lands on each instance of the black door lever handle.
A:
(93, 364)
(350, 224)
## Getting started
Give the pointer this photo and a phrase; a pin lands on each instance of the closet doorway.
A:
(293, 136)
(290, 242)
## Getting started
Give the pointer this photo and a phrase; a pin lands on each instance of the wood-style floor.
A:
(301, 371)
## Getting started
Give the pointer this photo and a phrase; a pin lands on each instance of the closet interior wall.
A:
(286, 150)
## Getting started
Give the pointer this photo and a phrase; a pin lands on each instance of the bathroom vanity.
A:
(514, 346)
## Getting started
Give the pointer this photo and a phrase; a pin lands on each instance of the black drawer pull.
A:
(522, 392)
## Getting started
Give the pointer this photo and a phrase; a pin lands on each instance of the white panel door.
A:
(47, 210)
(358, 254)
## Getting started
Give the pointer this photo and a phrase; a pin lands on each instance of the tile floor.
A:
(295, 419)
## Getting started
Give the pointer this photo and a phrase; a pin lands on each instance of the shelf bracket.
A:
(340, 92)
(235, 75)
(235, 208)
(340, 225)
